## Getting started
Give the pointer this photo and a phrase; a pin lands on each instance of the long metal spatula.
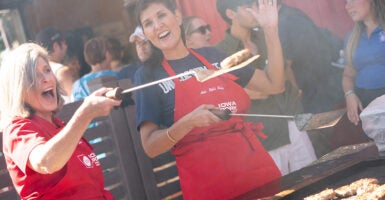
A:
(201, 76)
(304, 122)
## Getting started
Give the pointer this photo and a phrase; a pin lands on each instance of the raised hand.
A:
(266, 13)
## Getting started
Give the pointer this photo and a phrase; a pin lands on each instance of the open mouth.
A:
(49, 94)
(164, 34)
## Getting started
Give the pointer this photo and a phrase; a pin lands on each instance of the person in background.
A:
(197, 32)
(216, 159)
(74, 51)
(290, 148)
(81, 36)
(46, 158)
(54, 41)
(143, 51)
(309, 51)
(99, 58)
(363, 77)
(142, 45)
(116, 50)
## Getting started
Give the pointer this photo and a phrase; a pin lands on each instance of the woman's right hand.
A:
(201, 116)
(156, 141)
(353, 105)
(97, 104)
(266, 13)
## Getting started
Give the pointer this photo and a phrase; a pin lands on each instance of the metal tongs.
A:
(201, 76)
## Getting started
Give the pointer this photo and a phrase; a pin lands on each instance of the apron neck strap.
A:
(201, 59)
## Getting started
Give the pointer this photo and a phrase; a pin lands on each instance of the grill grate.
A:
(365, 169)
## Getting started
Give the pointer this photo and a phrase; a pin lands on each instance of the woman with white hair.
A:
(46, 158)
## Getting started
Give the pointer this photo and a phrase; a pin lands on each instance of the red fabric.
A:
(329, 14)
(223, 160)
(81, 178)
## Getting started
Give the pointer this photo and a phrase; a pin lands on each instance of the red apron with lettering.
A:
(223, 160)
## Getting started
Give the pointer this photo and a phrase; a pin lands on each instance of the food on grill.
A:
(345, 191)
(378, 193)
(362, 189)
(367, 188)
(326, 194)
(353, 188)
(363, 183)
(235, 59)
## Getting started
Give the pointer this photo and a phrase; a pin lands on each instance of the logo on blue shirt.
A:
(382, 36)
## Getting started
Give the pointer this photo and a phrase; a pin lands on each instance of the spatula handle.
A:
(116, 93)
(222, 114)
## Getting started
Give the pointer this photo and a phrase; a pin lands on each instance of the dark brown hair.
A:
(144, 4)
(95, 50)
(157, 55)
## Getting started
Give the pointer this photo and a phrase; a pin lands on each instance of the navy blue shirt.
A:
(128, 71)
(156, 103)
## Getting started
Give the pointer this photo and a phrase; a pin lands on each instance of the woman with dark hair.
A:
(363, 78)
(216, 159)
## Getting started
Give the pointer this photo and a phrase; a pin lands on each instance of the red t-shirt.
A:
(80, 178)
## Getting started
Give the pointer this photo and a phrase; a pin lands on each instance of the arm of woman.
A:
(353, 103)
(53, 155)
(255, 94)
(272, 80)
(156, 141)
(66, 77)
(289, 73)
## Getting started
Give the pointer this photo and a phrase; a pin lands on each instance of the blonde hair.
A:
(378, 11)
(17, 77)
(187, 24)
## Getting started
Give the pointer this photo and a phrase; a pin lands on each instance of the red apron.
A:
(223, 160)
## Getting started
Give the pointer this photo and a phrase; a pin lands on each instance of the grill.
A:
(366, 169)
(338, 168)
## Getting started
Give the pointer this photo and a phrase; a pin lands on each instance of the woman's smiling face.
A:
(42, 96)
(161, 26)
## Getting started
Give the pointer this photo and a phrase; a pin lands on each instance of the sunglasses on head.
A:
(202, 29)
